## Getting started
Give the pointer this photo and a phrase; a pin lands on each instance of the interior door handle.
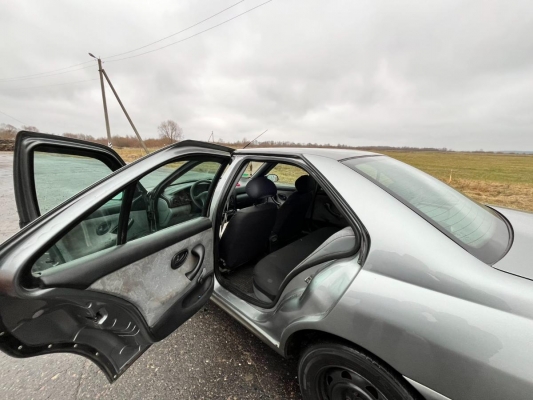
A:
(198, 251)
(179, 259)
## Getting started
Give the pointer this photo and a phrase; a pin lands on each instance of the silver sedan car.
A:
(383, 281)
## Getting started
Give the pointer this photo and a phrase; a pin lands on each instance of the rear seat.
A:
(270, 271)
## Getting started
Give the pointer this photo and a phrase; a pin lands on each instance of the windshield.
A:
(202, 171)
(477, 228)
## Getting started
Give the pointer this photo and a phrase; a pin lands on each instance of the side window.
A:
(58, 177)
(172, 194)
(286, 174)
(176, 193)
(98, 231)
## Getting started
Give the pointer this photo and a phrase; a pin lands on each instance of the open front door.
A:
(117, 266)
(50, 169)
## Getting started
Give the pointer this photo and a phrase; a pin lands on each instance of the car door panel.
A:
(83, 272)
(152, 284)
(57, 310)
(324, 211)
(67, 320)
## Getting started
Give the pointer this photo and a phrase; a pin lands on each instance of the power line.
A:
(190, 37)
(56, 84)
(7, 115)
(177, 33)
(44, 73)
(54, 72)
(46, 76)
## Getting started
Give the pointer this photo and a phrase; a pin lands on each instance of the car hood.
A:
(519, 259)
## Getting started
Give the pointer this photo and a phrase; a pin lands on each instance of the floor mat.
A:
(242, 278)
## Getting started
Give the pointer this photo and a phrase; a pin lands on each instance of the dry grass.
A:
(499, 179)
(511, 195)
(130, 154)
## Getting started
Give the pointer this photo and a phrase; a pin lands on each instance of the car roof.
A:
(335, 154)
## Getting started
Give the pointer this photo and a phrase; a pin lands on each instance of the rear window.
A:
(477, 228)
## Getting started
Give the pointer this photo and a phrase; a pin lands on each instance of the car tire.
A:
(334, 371)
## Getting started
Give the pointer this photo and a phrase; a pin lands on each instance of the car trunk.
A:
(519, 259)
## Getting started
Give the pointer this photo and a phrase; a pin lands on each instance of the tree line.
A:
(169, 132)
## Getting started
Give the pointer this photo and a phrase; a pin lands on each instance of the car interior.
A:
(278, 221)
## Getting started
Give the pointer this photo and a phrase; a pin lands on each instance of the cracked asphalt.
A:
(209, 357)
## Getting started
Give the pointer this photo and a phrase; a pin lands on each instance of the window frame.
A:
(125, 208)
(279, 183)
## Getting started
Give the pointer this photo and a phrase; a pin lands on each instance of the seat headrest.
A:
(260, 187)
(305, 183)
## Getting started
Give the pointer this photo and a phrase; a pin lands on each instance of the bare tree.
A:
(8, 131)
(29, 128)
(170, 131)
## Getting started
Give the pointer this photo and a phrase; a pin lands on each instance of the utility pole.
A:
(102, 75)
(100, 70)
(126, 113)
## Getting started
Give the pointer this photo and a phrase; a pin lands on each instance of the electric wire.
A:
(10, 116)
(174, 34)
(56, 84)
(46, 76)
(34, 76)
(190, 37)
(57, 71)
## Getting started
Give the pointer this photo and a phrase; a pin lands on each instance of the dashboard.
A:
(175, 204)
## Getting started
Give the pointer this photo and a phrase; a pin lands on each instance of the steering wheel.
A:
(199, 199)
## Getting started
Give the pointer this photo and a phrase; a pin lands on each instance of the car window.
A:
(97, 231)
(173, 204)
(477, 228)
(249, 171)
(58, 177)
(287, 174)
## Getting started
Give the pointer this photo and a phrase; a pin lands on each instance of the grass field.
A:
(499, 179)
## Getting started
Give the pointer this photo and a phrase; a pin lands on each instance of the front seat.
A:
(247, 234)
(291, 215)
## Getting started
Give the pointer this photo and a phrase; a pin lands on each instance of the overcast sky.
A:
(456, 74)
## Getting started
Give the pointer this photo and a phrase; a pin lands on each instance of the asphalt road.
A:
(209, 357)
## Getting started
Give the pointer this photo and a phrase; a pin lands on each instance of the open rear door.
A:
(115, 267)
(59, 167)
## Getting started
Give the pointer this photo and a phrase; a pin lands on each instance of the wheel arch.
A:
(299, 340)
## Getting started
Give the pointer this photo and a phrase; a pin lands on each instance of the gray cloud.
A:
(442, 73)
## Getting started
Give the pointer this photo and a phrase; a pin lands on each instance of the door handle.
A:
(198, 251)
(178, 259)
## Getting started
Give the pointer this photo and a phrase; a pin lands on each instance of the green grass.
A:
(502, 168)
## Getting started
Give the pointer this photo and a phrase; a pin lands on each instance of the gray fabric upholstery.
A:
(246, 236)
(150, 283)
(270, 272)
(291, 215)
(341, 244)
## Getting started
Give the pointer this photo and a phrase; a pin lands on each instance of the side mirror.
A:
(272, 177)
